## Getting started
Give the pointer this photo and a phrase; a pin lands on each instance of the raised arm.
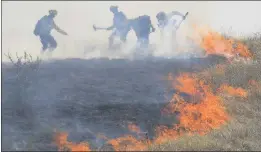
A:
(110, 28)
(176, 13)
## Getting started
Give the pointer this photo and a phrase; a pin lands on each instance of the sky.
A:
(77, 18)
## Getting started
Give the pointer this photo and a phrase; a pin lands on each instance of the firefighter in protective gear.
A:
(168, 23)
(43, 29)
(165, 19)
(142, 27)
(120, 25)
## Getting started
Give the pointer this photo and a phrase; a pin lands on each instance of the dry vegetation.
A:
(243, 131)
(221, 111)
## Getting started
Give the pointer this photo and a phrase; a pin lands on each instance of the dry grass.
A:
(243, 131)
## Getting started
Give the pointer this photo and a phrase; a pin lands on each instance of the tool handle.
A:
(94, 28)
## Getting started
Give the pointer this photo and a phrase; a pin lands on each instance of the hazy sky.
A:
(77, 18)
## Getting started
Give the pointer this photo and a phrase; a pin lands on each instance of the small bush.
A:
(18, 77)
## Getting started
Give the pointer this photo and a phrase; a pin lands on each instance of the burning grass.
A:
(203, 113)
(243, 106)
(206, 114)
(215, 43)
(241, 132)
(63, 144)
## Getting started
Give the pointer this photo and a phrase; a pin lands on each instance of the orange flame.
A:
(128, 143)
(63, 144)
(214, 43)
(208, 114)
(133, 128)
(164, 134)
(233, 91)
(199, 117)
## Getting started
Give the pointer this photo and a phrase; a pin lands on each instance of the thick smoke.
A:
(77, 19)
(75, 86)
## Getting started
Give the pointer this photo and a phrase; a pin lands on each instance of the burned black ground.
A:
(87, 97)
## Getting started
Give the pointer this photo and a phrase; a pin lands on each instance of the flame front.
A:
(63, 144)
(239, 92)
(198, 113)
(215, 43)
(129, 143)
(200, 117)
